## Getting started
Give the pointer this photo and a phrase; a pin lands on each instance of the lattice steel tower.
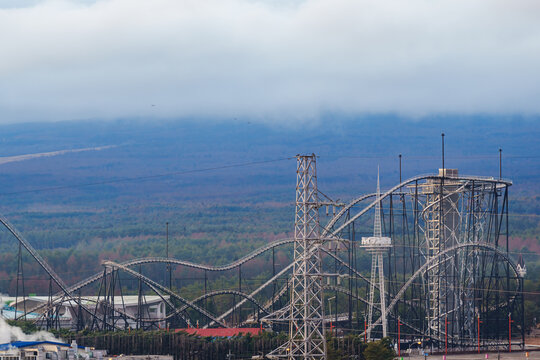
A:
(306, 311)
(377, 245)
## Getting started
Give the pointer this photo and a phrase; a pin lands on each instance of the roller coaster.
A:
(451, 280)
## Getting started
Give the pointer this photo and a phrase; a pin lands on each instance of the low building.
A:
(51, 350)
(65, 313)
(45, 350)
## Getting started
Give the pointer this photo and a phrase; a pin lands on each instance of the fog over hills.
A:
(82, 192)
(176, 159)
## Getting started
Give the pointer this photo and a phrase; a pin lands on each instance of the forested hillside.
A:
(226, 188)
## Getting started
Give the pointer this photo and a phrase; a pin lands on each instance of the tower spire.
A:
(377, 245)
(377, 228)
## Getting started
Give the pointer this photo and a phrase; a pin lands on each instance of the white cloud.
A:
(266, 59)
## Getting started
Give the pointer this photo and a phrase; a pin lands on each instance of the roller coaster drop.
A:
(451, 282)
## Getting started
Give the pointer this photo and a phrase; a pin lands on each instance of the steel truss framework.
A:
(448, 267)
(306, 309)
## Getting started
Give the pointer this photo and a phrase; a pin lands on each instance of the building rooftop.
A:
(23, 344)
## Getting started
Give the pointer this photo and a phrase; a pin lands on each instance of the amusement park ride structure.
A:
(377, 245)
(445, 237)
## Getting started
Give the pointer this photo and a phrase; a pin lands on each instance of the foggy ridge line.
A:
(9, 159)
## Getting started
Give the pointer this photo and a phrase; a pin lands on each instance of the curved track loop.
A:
(149, 282)
(344, 210)
(75, 287)
(327, 232)
(431, 262)
(98, 276)
(57, 300)
(53, 275)
(348, 293)
(88, 300)
(228, 292)
(392, 190)
(152, 285)
(255, 292)
(233, 265)
(284, 288)
(201, 298)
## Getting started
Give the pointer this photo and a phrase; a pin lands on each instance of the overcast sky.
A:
(271, 60)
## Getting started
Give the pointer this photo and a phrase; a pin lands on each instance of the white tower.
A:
(377, 245)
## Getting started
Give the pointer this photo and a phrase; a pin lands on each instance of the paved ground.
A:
(516, 355)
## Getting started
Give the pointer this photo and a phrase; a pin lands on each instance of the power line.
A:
(427, 157)
(146, 177)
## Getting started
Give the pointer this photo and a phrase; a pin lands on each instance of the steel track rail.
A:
(434, 260)
(237, 263)
(233, 265)
(98, 276)
(44, 265)
(149, 282)
(348, 293)
(403, 184)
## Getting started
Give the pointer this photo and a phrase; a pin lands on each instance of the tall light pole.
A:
(167, 253)
(330, 310)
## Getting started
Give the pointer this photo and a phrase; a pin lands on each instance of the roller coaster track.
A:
(149, 260)
(75, 287)
(152, 286)
(233, 265)
(328, 233)
(333, 234)
(348, 293)
(228, 292)
(149, 282)
(344, 210)
(89, 300)
(83, 283)
(60, 299)
(255, 292)
(433, 260)
(196, 300)
(44, 265)
(392, 190)
(418, 272)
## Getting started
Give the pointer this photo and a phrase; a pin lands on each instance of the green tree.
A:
(27, 327)
(380, 350)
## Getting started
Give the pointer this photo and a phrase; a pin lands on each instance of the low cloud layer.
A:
(274, 60)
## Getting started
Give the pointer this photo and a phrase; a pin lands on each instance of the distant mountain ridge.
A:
(349, 150)
(226, 187)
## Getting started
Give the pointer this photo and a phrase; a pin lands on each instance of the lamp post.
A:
(446, 335)
(330, 309)
(478, 332)
(510, 321)
(399, 336)
(365, 329)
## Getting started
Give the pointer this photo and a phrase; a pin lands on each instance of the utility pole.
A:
(500, 163)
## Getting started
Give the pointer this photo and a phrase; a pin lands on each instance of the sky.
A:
(268, 60)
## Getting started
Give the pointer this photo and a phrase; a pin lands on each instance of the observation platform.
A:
(376, 242)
